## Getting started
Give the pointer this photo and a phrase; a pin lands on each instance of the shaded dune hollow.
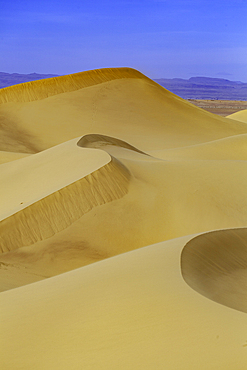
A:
(98, 141)
(215, 265)
(60, 209)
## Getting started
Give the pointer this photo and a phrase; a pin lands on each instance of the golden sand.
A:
(239, 116)
(122, 227)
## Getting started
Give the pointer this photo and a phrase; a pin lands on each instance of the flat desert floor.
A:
(221, 107)
(123, 227)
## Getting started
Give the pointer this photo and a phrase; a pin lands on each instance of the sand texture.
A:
(123, 227)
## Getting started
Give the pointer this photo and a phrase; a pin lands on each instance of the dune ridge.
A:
(155, 207)
(134, 109)
(6, 156)
(57, 211)
(228, 148)
(41, 89)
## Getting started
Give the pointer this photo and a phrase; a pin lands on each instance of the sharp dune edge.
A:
(57, 211)
(42, 89)
(10, 156)
(123, 227)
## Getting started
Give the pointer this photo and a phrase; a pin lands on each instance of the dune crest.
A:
(6, 156)
(229, 148)
(120, 103)
(101, 141)
(57, 211)
(41, 89)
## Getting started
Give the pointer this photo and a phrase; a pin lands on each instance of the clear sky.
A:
(161, 38)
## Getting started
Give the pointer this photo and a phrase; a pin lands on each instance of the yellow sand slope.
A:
(239, 116)
(121, 103)
(118, 163)
(133, 311)
(128, 203)
(10, 156)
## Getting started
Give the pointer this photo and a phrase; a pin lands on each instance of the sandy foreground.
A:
(123, 234)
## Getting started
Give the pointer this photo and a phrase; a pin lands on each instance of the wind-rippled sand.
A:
(123, 227)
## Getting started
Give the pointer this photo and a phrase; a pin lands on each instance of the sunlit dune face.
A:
(215, 265)
(105, 177)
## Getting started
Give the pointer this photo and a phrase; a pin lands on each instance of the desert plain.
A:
(221, 107)
(123, 232)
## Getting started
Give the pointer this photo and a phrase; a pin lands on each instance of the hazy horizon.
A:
(158, 78)
(160, 38)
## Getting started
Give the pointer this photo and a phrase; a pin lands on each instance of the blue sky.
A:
(161, 38)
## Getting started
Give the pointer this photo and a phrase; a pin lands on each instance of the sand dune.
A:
(140, 197)
(10, 156)
(143, 196)
(229, 148)
(239, 116)
(131, 311)
(125, 105)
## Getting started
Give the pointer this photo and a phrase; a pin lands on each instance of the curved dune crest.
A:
(11, 156)
(32, 178)
(229, 148)
(57, 211)
(99, 141)
(215, 265)
(55, 188)
(120, 103)
(41, 89)
(154, 208)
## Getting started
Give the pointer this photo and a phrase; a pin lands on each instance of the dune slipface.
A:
(122, 227)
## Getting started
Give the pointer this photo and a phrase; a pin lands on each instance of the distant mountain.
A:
(8, 79)
(205, 88)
